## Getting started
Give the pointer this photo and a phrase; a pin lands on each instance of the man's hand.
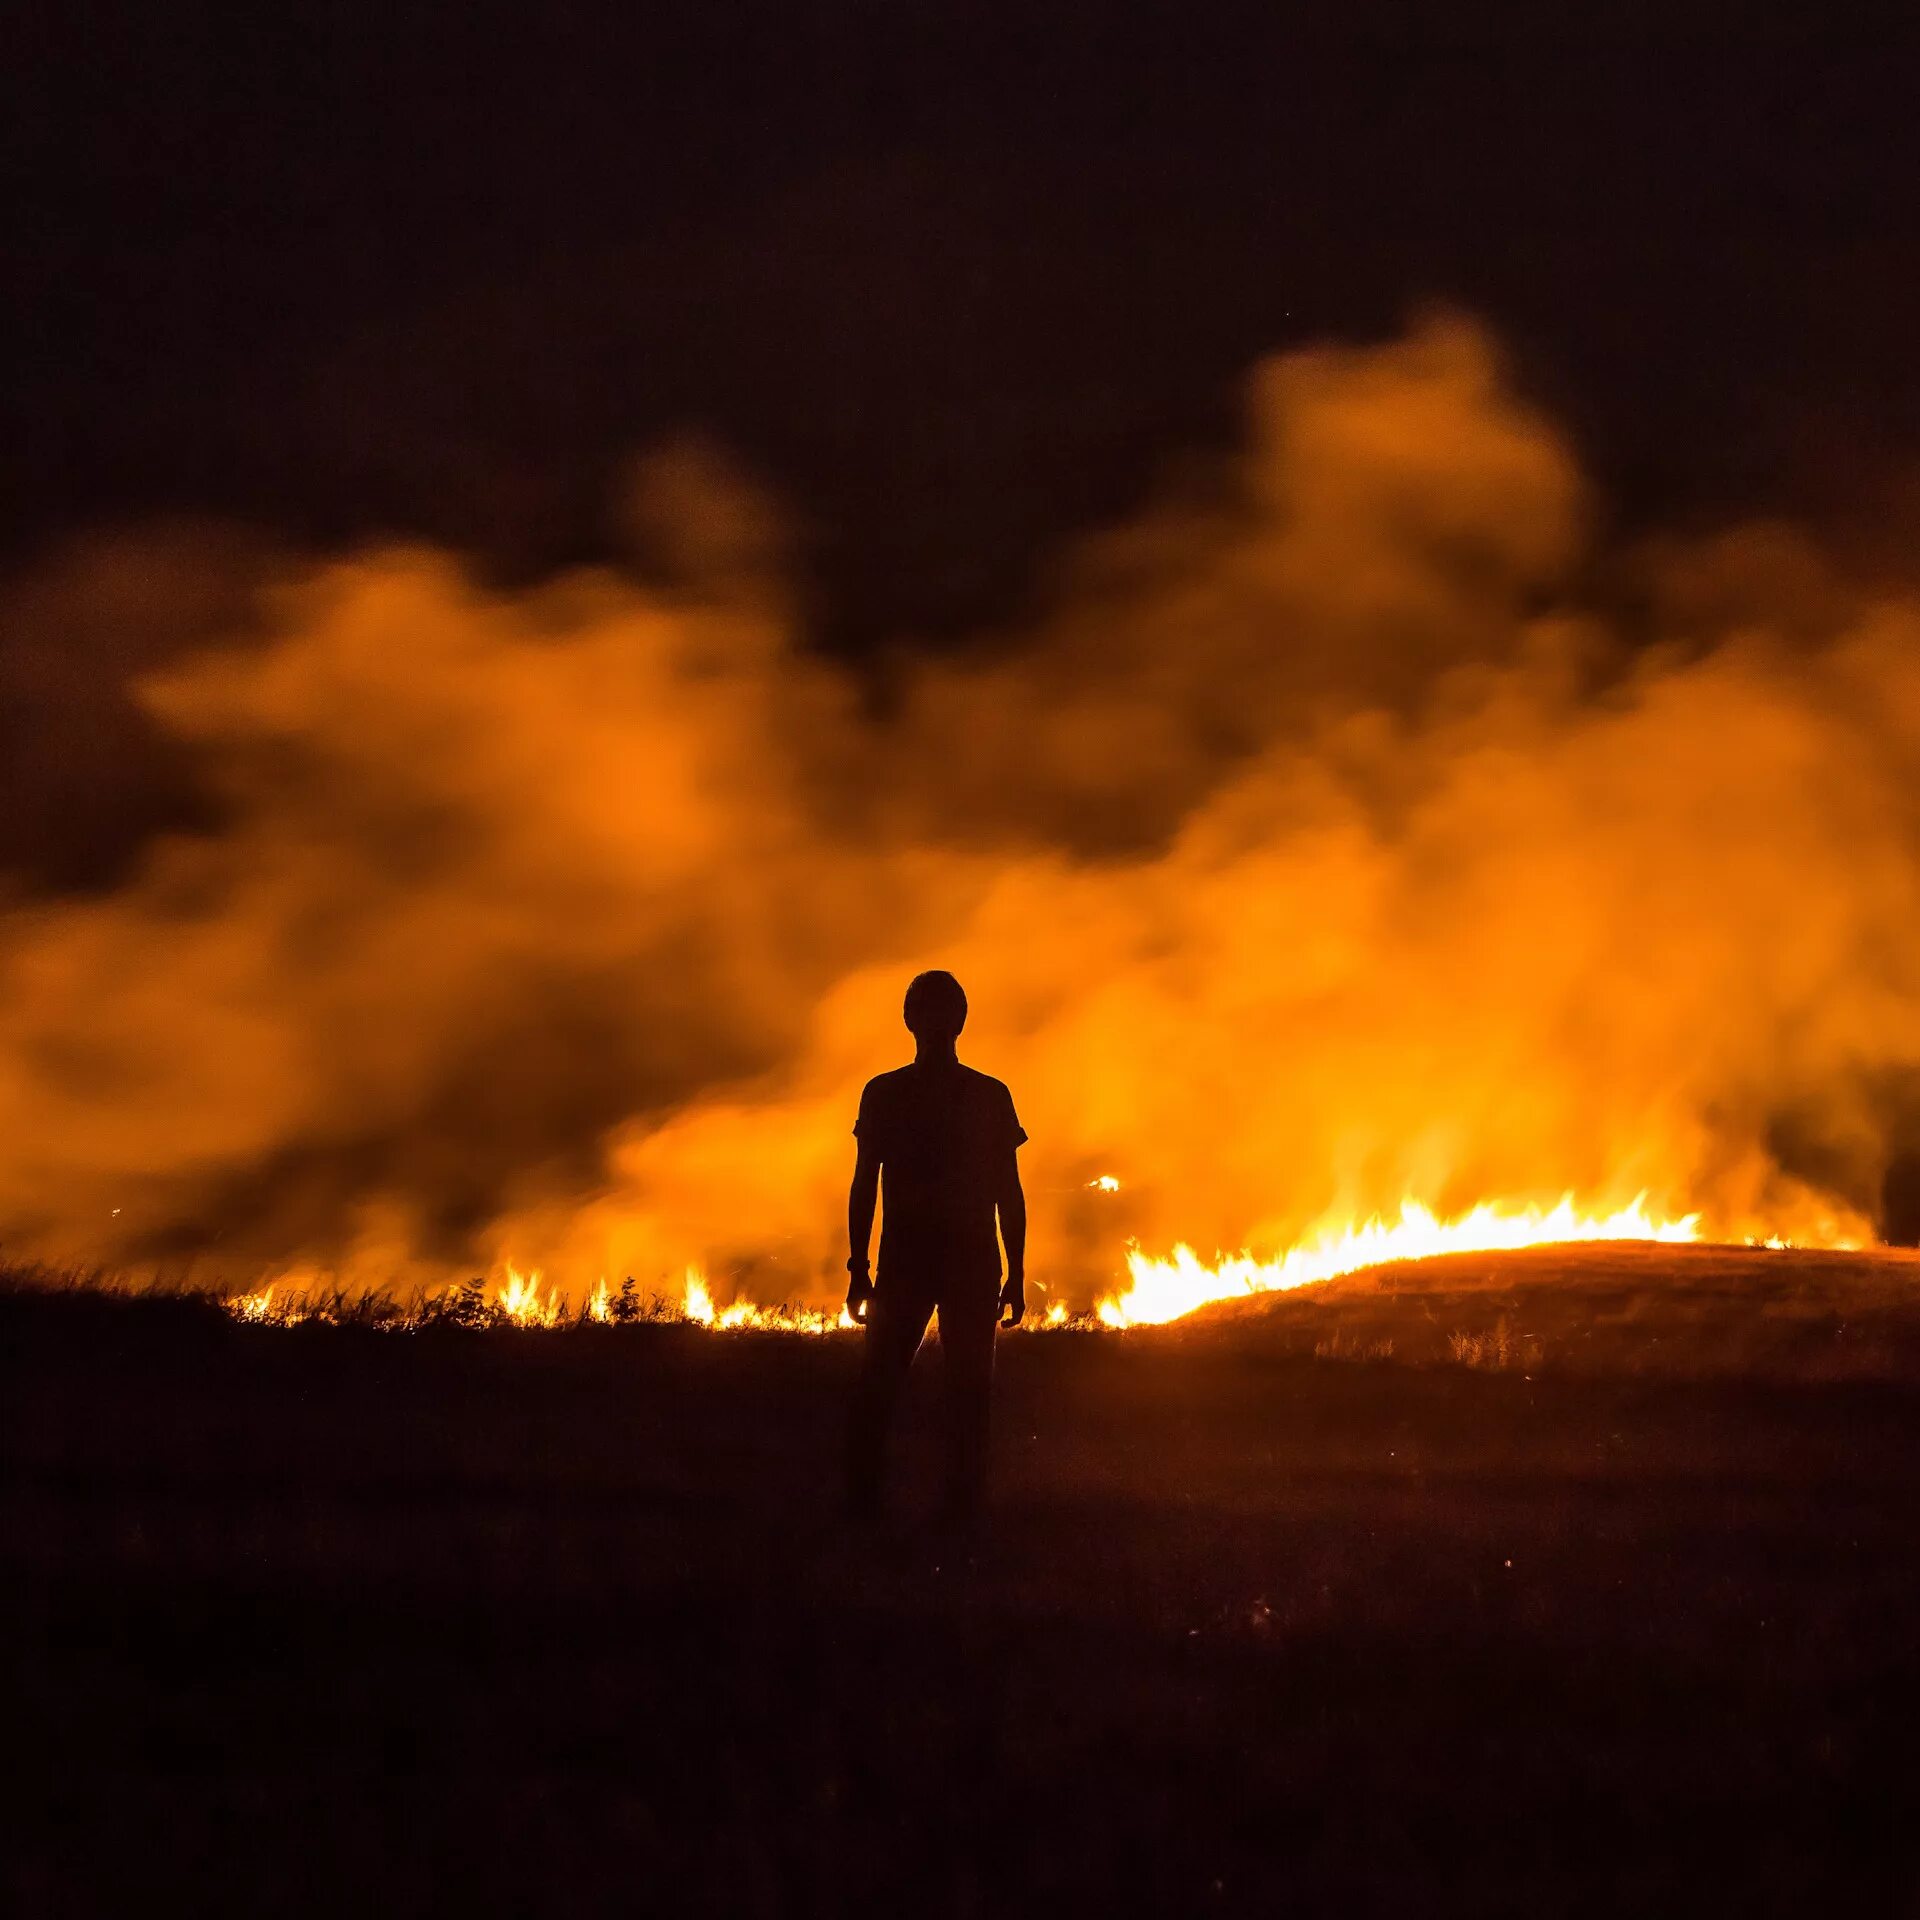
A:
(859, 1293)
(1013, 1300)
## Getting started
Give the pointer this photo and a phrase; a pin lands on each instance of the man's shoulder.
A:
(910, 1082)
(884, 1092)
(985, 1086)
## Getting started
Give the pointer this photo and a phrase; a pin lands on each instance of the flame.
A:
(1105, 1184)
(1165, 1288)
(743, 1315)
(284, 1300)
(525, 1300)
(522, 1300)
(1161, 1288)
(698, 1302)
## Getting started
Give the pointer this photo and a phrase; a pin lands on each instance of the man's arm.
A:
(1013, 1230)
(861, 1197)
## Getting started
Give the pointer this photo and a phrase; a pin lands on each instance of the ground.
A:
(1598, 1592)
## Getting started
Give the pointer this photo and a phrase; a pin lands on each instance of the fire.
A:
(284, 1300)
(1160, 1288)
(523, 1300)
(1105, 1184)
(743, 1315)
(1165, 1288)
(698, 1300)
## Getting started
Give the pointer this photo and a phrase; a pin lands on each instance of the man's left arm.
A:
(861, 1197)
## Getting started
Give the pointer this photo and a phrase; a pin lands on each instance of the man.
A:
(943, 1138)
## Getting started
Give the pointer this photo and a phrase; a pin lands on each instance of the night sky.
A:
(955, 282)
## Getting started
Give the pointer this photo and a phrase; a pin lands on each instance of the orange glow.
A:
(1325, 851)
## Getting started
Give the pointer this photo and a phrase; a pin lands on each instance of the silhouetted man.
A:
(944, 1139)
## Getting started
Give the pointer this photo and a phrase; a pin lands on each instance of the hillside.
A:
(1615, 1307)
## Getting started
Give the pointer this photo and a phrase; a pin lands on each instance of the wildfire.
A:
(524, 1302)
(1164, 1289)
(256, 1306)
(697, 1304)
(698, 1300)
(1159, 1289)
(289, 1297)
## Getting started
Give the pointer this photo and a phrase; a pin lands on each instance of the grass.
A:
(1283, 1609)
(1498, 1346)
(1610, 1309)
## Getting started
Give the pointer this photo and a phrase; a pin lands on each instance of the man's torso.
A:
(945, 1136)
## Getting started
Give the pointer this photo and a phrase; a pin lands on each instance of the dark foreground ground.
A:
(332, 1621)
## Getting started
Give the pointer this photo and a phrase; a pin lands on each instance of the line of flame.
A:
(697, 1304)
(1163, 1289)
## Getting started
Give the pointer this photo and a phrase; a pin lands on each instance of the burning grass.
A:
(522, 1300)
(1158, 1289)
(1622, 1306)
(1165, 1289)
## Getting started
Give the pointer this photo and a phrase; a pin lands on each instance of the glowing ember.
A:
(1164, 1289)
(1105, 1184)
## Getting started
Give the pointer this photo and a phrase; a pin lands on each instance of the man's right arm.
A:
(1013, 1230)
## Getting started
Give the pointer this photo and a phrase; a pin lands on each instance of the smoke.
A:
(1354, 825)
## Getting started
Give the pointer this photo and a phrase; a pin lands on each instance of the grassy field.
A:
(1566, 1582)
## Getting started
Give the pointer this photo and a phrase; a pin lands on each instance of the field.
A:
(1564, 1582)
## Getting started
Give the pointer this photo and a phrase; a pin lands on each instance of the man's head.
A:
(936, 1009)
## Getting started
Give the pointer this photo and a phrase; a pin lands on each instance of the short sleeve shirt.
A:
(944, 1136)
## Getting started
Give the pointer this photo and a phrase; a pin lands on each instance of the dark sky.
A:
(957, 281)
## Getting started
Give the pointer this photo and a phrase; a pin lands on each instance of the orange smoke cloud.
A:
(1326, 844)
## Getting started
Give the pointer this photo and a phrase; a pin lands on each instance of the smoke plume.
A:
(1357, 824)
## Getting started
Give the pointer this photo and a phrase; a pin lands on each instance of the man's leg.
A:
(897, 1317)
(968, 1317)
